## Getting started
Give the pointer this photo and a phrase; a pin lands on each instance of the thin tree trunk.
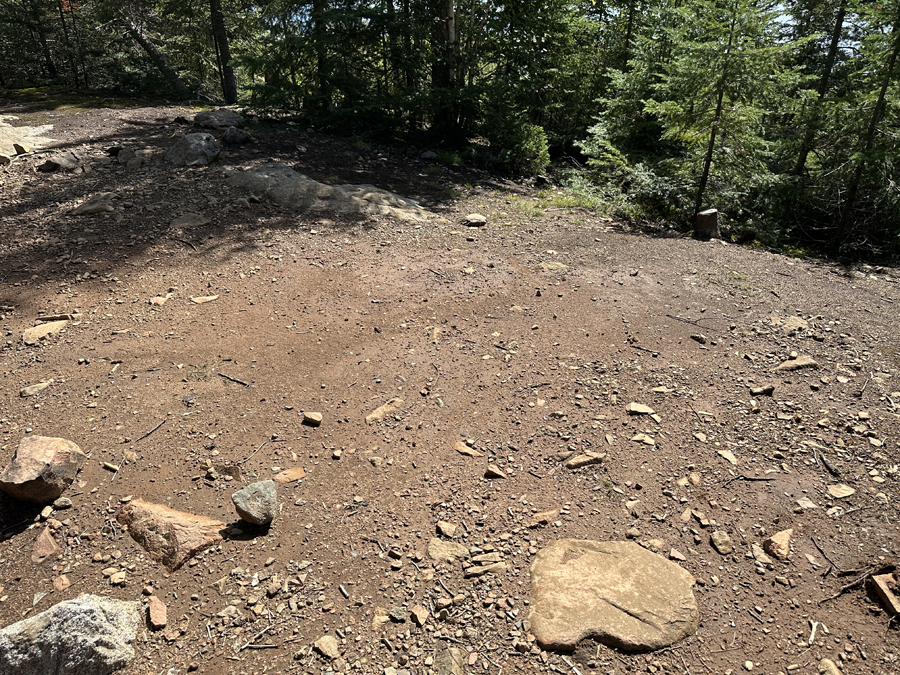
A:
(223, 52)
(628, 33)
(159, 59)
(869, 137)
(822, 88)
(443, 72)
(707, 160)
(42, 38)
(69, 55)
(322, 65)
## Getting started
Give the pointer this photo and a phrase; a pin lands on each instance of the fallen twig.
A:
(151, 431)
(747, 478)
(825, 555)
(254, 452)
(258, 635)
(233, 379)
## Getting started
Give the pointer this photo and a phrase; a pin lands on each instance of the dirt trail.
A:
(526, 339)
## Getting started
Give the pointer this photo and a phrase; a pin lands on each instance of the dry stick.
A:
(185, 241)
(258, 635)
(233, 379)
(696, 413)
(825, 555)
(571, 665)
(747, 478)
(254, 452)
(151, 431)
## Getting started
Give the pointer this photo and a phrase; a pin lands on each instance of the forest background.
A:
(785, 116)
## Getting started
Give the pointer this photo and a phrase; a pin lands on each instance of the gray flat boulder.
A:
(616, 592)
(89, 635)
(42, 468)
(281, 184)
(257, 502)
(193, 150)
(220, 118)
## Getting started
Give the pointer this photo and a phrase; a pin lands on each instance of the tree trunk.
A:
(223, 52)
(822, 88)
(69, 54)
(42, 38)
(869, 137)
(443, 69)
(717, 118)
(319, 38)
(159, 59)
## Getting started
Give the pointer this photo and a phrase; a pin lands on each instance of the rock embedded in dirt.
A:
(728, 456)
(41, 469)
(312, 419)
(383, 410)
(721, 542)
(446, 529)
(464, 449)
(45, 547)
(638, 409)
(235, 136)
(828, 667)
(289, 475)
(35, 334)
(543, 518)
(157, 613)
(419, 615)
(446, 551)
(327, 646)
(197, 149)
(493, 471)
(189, 220)
(798, 363)
(450, 661)
(218, 119)
(33, 389)
(257, 502)
(475, 220)
(88, 635)
(616, 592)
(63, 161)
(286, 187)
(588, 458)
(779, 544)
(840, 491)
(759, 554)
(170, 537)
(98, 203)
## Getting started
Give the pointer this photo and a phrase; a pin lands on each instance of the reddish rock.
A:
(41, 469)
(170, 537)
(156, 610)
(61, 582)
(779, 544)
(45, 546)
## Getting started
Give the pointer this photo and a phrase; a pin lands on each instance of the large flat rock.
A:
(284, 186)
(170, 537)
(89, 635)
(617, 592)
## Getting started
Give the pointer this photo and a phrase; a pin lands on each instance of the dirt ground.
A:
(527, 338)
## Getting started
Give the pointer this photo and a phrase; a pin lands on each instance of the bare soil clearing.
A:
(518, 346)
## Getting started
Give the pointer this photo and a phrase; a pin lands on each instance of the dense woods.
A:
(785, 116)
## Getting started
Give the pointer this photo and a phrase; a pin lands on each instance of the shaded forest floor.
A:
(526, 338)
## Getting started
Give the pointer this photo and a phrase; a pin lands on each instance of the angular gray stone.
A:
(99, 203)
(235, 136)
(446, 550)
(41, 469)
(89, 635)
(64, 161)
(257, 502)
(221, 118)
(450, 661)
(193, 150)
(616, 592)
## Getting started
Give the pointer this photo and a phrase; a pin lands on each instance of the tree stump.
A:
(706, 225)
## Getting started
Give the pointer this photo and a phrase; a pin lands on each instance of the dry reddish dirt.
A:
(338, 316)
